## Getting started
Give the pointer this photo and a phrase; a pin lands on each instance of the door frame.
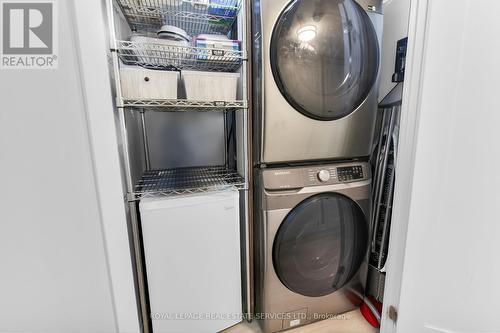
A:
(410, 118)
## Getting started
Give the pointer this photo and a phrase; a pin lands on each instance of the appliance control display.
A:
(324, 176)
(350, 173)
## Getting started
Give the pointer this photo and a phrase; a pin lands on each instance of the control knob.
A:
(324, 176)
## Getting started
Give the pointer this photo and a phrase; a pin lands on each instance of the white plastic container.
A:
(142, 83)
(210, 86)
(200, 4)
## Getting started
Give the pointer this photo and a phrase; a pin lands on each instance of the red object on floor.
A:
(368, 314)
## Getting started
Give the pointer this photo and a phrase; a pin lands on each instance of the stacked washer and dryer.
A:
(315, 66)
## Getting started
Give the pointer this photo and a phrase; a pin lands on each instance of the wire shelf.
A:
(184, 105)
(184, 181)
(194, 16)
(170, 57)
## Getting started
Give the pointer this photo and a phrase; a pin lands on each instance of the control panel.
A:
(299, 177)
(321, 175)
(349, 173)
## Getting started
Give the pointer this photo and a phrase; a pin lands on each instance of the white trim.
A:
(90, 40)
(410, 115)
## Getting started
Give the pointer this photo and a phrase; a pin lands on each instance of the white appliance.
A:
(192, 252)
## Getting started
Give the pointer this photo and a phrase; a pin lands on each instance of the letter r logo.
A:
(27, 27)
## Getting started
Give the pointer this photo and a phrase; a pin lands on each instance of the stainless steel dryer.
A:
(311, 242)
(315, 78)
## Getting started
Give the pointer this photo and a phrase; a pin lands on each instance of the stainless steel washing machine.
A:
(311, 242)
(315, 78)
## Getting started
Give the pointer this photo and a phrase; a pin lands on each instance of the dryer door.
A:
(320, 245)
(324, 57)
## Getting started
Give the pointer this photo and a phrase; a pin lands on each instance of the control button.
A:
(324, 175)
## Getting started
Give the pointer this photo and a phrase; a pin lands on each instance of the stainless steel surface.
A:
(178, 140)
(145, 141)
(281, 190)
(125, 148)
(304, 177)
(139, 266)
(257, 79)
(245, 35)
(135, 135)
(283, 133)
(226, 152)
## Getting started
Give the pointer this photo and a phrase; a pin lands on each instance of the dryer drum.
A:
(321, 245)
(324, 57)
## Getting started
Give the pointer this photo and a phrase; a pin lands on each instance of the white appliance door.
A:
(451, 272)
(192, 252)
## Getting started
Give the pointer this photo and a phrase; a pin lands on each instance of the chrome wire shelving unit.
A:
(182, 181)
(183, 105)
(169, 57)
(145, 18)
(193, 16)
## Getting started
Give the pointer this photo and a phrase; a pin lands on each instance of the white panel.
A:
(396, 15)
(451, 274)
(35, 20)
(192, 251)
(92, 49)
(54, 276)
(16, 28)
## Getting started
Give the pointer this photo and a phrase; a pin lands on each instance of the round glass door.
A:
(324, 57)
(320, 245)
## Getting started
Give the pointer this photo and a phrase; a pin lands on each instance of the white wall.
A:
(64, 257)
(451, 271)
(396, 15)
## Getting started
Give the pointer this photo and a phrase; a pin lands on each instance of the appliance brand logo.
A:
(282, 173)
(29, 34)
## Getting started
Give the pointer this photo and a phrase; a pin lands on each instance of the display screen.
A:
(350, 173)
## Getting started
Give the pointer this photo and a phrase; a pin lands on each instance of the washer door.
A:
(324, 57)
(320, 245)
